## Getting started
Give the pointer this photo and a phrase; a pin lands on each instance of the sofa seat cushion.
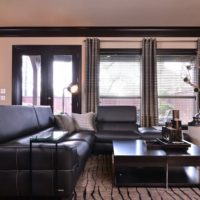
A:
(150, 133)
(109, 136)
(87, 136)
(116, 126)
(26, 139)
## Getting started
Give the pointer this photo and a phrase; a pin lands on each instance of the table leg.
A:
(30, 167)
(113, 170)
(56, 171)
(167, 175)
(198, 171)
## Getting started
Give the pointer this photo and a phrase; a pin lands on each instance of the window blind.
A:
(173, 92)
(171, 71)
(119, 75)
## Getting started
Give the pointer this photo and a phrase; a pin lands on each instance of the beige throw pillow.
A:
(65, 122)
(84, 121)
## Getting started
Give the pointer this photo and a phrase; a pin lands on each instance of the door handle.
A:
(49, 98)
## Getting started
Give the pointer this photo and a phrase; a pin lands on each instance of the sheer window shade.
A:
(173, 92)
(119, 76)
(119, 80)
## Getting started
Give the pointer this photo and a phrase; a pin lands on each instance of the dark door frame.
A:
(46, 52)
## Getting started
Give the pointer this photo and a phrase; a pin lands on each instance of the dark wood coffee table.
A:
(136, 165)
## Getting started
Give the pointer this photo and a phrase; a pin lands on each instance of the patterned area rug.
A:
(95, 183)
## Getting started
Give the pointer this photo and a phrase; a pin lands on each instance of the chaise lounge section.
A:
(119, 123)
(114, 123)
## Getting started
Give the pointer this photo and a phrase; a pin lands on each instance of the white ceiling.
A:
(99, 13)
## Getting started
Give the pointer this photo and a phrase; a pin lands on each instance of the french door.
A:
(41, 72)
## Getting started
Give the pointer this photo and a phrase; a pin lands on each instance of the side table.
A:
(52, 137)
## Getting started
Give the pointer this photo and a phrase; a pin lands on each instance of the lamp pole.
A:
(73, 89)
(63, 100)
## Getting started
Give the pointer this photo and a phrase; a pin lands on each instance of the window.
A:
(120, 77)
(173, 92)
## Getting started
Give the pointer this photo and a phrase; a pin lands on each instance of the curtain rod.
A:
(120, 40)
(177, 41)
(141, 40)
(158, 41)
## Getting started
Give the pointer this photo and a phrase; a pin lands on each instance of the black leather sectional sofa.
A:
(19, 123)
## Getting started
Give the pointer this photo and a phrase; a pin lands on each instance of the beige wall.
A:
(7, 42)
(6, 57)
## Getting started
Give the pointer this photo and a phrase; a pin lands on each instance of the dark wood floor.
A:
(95, 183)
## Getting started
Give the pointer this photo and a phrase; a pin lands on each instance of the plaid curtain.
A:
(92, 46)
(198, 65)
(149, 101)
(198, 52)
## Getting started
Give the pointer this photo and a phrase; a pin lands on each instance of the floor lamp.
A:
(73, 89)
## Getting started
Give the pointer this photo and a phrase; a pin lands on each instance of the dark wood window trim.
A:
(176, 52)
(119, 51)
(45, 50)
(99, 31)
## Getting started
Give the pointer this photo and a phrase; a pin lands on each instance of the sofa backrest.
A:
(45, 116)
(116, 118)
(16, 121)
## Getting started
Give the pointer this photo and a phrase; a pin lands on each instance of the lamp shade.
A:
(73, 88)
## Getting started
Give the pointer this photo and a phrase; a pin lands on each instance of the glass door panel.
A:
(31, 79)
(62, 77)
(41, 73)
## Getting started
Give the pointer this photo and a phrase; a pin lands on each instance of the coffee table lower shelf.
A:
(134, 164)
(156, 177)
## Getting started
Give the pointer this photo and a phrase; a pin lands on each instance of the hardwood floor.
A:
(95, 183)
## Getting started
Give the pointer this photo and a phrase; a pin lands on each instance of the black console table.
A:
(52, 137)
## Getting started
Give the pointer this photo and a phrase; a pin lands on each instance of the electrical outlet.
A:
(2, 91)
(3, 98)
